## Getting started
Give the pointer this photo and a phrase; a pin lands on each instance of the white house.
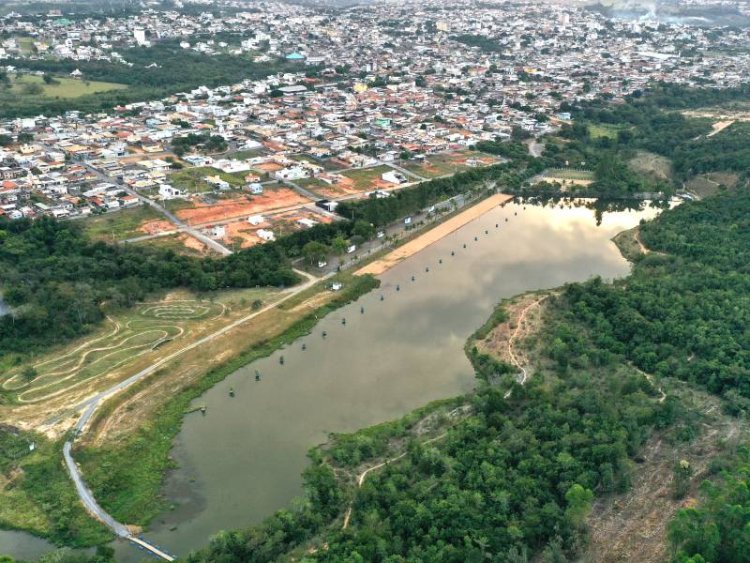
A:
(393, 177)
(168, 192)
(291, 173)
(266, 235)
(256, 219)
(306, 223)
(218, 231)
(218, 183)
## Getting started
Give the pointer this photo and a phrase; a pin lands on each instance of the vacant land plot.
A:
(654, 165)
(323, 189)
(233, 207)
(367, 178)
(193, 180)
(181, 243)
(445, 164)
(62, 88)
(119, 225)
(242, 234)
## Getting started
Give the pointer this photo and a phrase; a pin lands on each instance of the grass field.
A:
(119, 225)
(364, 177)
(67, 87)
(245, 154)
(705, 185)
(177, 243)
(193, 179)
(26, 44)
(603, 130)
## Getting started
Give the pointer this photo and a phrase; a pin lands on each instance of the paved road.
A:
(181, 225)
(208, 241)
(302, 191)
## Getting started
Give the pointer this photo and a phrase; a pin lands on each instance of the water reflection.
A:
(243, 460)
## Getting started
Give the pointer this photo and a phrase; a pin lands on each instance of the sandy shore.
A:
(433, 235)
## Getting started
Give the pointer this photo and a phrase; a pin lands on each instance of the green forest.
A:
(158, 71)
(60, 284)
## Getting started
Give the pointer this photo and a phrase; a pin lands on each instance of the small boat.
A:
(382, 297)
(496, 225)
(413, 278)
(231, 391)
(440, 261)
(427, 269)
(362, 310)
(203, 410)
(257, 375)
(304, 347)
(398, 288)
(453, 252)
(343, 321)
(476, 239)
(486, 232)
(464, 245)
(281, 360)
(325, 334)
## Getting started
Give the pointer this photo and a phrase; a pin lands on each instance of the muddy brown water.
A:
(243, 459)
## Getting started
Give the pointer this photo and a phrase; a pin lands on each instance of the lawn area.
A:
(245, 154)
(119, 225)
(364, 177)
(603, 130)
(313, 184)
(193, 180)
(64, 88)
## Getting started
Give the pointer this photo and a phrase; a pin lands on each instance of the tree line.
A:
(59, 284)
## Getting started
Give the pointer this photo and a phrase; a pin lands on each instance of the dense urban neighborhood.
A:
(363, 89)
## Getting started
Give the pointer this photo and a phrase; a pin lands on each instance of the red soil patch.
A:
(238, 206)
(155, 227)
(245, 231)
(269, 167)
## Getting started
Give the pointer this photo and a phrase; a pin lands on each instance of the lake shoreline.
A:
(433, 235)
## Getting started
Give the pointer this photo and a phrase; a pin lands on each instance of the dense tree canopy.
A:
(59, 283)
